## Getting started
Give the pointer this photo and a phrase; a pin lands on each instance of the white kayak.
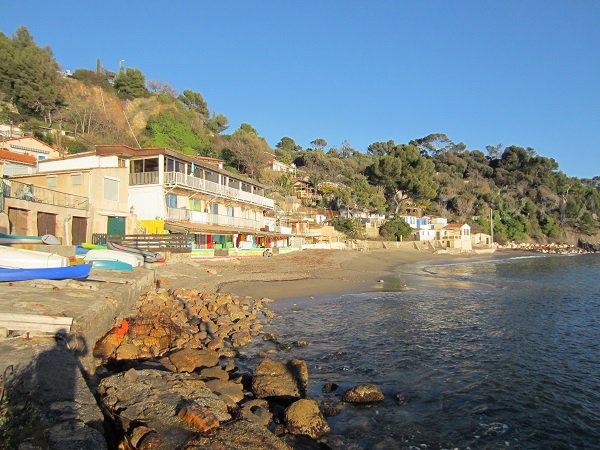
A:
(114, 255)
(13, 258)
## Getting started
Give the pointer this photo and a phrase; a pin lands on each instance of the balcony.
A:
(136, 179)
(212, 188)
(31, 193)
(186, 215)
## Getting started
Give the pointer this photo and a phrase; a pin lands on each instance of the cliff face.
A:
(94, 111)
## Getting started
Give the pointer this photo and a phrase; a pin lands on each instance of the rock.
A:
(224, 387)
(256, 411)
(241, 339)
(142, 434)
(237, 435)
(188, 359)
(400, 398)
(270, 337)
(127, 351)
(304, 417)
(363, 393)
(214, 372)
(156, 398)
(276, 379)
(268, 313)
(200, 418)
(284, 347)
(211, 271)
(329, 387)
(130, 376)
(330, 407)
(300, 343)
(216, 344)
(299, 369)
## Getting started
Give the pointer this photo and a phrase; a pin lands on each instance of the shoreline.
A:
(305, 274)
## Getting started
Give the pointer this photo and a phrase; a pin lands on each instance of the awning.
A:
(201, 228)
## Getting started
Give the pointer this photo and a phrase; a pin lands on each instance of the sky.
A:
(516, 72)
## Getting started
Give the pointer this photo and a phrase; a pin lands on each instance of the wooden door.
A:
(116, 225)
(46, 223)
(78, 230)
(18, 220)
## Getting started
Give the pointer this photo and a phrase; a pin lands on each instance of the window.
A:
(171, 200)
(51, 181)
(76, 179)
(111, 189)
(121, 163)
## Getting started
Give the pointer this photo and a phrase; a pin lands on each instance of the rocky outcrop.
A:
(277, 379)
(237, 435)
(173, 405)
(187, 360)
(183, 319)
(304, 417)
(363, 393)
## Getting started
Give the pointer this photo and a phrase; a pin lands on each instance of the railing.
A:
(174, 243)
(210, 187)
(186, 215)
(31, 193)
(136, 179)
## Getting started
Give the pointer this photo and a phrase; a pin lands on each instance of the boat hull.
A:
(111, 265)
(57, 273)
(13, 258)
(113, 255)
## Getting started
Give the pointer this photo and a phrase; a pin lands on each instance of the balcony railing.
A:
(210, 187)
(136, 179)
(186, 215)
(31, 193)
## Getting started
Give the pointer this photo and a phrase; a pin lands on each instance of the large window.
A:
(76, 179)
(144, 165)
(111, 189)
(51, 181)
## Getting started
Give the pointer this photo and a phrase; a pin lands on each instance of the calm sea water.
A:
(490, 354)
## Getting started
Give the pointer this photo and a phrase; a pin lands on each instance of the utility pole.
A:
(492, 226)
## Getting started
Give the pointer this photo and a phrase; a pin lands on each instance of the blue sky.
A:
(522, 72)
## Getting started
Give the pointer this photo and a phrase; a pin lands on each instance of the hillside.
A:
(531, 198)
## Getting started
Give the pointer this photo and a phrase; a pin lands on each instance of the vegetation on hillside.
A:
(530, 197)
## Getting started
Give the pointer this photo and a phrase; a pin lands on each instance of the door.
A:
(46, 224)
(78, 230)
(18, 221)
(116, 225)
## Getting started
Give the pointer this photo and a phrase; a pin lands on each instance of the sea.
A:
(501, 353)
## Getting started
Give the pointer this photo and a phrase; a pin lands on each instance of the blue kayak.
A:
(55, 273)
(107, 264)
(79, 250)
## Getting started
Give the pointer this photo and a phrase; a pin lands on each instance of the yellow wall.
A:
(31, 143)
(152, 226)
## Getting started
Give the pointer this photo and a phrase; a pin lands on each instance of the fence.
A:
(174, 243)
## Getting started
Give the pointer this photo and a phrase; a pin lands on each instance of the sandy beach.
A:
(300, 274)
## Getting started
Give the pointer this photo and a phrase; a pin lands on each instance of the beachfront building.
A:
(12, 163)
(29, 145)
(71, 198)
(177, 193)
(457, 236)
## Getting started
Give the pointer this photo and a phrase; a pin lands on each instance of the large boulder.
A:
(188, 359)
(304, 417)
(174, 405)
(277, 379)
(363, 393)
(237, 435)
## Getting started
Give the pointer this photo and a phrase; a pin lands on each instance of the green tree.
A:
(175, 131)
(194, 102)
(319, 143)
(29, 75)
(395, 229)
(130, 83)
(352, 228)
(217, 123)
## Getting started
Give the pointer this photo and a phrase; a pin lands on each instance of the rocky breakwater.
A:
(171, 378)
(551, 248)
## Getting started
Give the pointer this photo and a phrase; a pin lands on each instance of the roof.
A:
(456, 225)
(28, 137)
(130, 152)
(17, 157)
